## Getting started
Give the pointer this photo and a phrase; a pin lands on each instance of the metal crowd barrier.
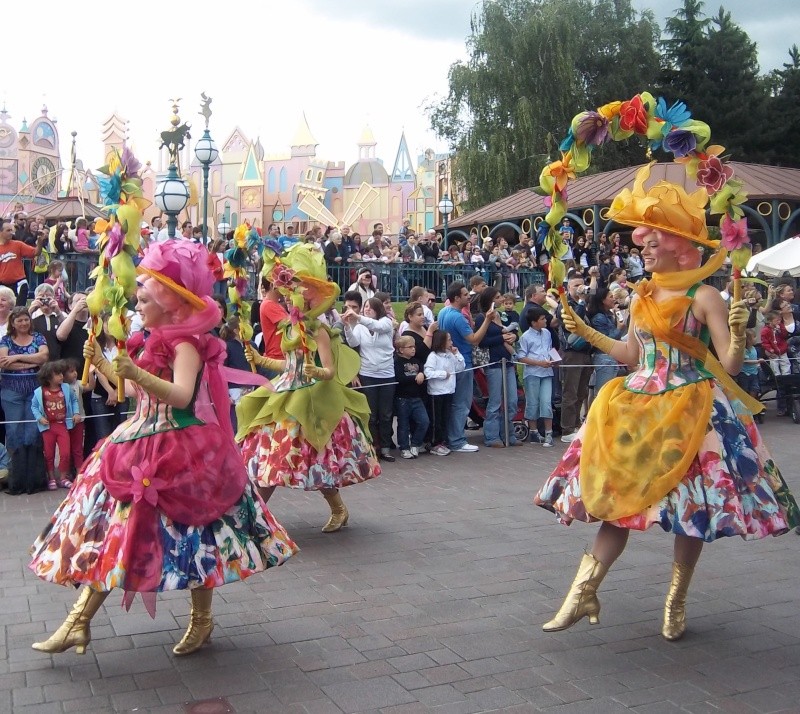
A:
(397, 279)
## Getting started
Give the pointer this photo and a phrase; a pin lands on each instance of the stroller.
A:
(480, 396)
(787, 384)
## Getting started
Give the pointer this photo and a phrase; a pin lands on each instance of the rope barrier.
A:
(88, 416)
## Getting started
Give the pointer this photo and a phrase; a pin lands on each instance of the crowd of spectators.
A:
(417, 368)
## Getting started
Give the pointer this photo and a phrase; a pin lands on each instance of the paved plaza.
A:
(431, 600)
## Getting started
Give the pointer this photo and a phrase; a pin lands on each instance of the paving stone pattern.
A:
(431, 600)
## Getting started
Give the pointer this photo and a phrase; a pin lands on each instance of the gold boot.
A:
(339, 514)
(200, 623)
(675, 606)
(581, 599)
(75, 630)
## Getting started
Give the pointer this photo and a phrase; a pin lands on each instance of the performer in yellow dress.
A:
(674, 443)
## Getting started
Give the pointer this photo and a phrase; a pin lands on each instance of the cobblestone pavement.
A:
(431, 600)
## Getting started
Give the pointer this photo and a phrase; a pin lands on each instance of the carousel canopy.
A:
(67, 209)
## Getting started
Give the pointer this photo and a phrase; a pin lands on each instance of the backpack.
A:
(41, 263)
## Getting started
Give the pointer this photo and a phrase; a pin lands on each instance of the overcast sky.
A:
(345, 64)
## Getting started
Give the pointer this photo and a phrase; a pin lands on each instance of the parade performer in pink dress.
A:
(307, 431)
(164, 503)
(674, 443)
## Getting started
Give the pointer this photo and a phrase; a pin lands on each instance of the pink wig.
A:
(687, 253)
(186, 264)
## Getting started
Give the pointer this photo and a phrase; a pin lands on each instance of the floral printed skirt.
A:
(84, 543)
(276, 454)
(732, 487)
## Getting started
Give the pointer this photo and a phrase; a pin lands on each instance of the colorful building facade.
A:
(30, 162)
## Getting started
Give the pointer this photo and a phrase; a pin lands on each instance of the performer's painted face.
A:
(657, 258)
(152, 313)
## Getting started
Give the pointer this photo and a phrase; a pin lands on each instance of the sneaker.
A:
(386, 456)
(65, 483)
(440, 450)
(548, 440)
(534, 438)
(569, 438)
(414, 452)
(52, 485)
(472, 425)
(466, 449)
(406, 454)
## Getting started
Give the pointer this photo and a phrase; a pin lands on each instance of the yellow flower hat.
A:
(666, 207)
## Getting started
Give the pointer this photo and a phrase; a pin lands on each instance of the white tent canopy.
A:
(777, 260)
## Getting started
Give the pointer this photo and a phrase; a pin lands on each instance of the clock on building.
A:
(43, 175)
(7, 137)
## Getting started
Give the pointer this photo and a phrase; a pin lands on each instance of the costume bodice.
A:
(293, 375)
(663, 367)
(152, 416)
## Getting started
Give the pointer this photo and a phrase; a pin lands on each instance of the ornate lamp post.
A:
(206, 153)
(223, 228)
(445, 208)
(172, 193)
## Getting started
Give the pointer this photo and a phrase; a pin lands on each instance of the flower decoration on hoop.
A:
(668, 127)
(238, 259)
(119, 242)
(300, 275)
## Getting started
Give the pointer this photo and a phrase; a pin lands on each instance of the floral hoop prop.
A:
(120, 238)
(246, 243)
(671, 129)
(299, 274)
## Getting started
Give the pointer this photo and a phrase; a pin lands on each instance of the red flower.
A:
(633, 116)
(282, 277)
(712, 174)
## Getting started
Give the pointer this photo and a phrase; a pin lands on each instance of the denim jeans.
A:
(411, 411)
(493, 427)
(17, 407)
(83, 264)
(538, 397)
(459, 409)
(605, 369)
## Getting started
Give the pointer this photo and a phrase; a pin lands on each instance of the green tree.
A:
(712, 65)
(533, 64)
(783, 114)
(682, 72)
(617, 59)
(732, 96)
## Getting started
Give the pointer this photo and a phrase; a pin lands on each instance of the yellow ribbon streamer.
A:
(653, 316)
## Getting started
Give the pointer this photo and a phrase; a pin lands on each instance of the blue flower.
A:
(110, 188)
(680, 142)
(273, 245)
(542, 231)
(569, 140)
(676, 116)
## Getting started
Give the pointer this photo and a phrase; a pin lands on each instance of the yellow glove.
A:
(95, 357)
(738, 316)
(313, 372)
(572, 323)
(124, 367)
(258, 360)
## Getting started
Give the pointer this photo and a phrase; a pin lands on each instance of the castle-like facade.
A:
(30, 161)
(244, 183)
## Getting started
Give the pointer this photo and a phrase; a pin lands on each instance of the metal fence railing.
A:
(397, 279)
